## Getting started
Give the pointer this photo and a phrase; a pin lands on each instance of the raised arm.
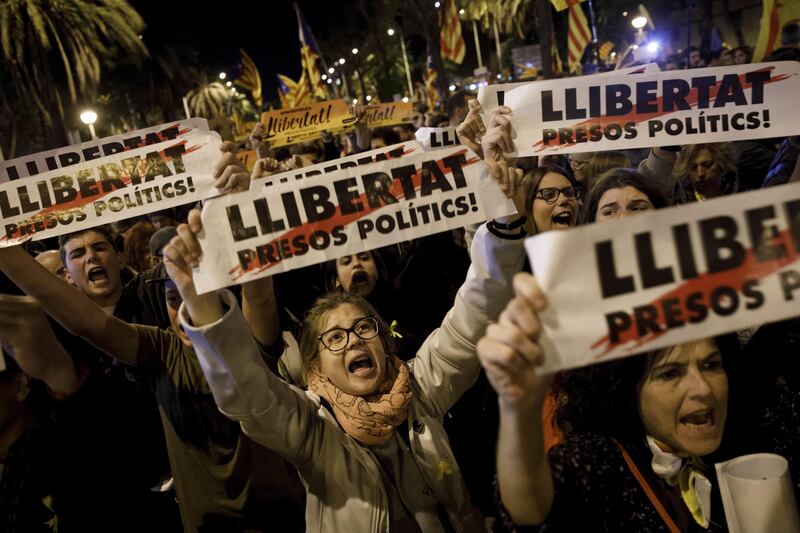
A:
(70, 307)
(270, 411)
(24, 327)
(446, 364)
(509, 354)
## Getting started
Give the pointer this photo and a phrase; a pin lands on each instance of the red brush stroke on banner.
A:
(706, 284)
(691, 99)
(339, 219)
(81, 202)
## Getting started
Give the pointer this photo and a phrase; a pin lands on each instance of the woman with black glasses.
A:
(367, 436)
(551, 200)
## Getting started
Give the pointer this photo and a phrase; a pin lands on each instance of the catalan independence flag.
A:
(310, 58)
(250, 78)
(578, 36)
(775, 14)
(431, 92)
(451, 42)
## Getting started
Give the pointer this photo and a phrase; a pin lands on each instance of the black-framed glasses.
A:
(550, 194)
(336, 339)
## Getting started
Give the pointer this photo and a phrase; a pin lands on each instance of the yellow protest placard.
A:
(289, 126)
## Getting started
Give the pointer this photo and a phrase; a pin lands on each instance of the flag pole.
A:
(405, 64)
(497, 44)
(477, 42)
(593, 28)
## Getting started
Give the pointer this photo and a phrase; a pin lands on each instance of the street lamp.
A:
(639, 23)
(228, 83)
(355, 51)
(222, 75)
(331, 70)
(390, 32)
(341, 61)
(89, 117)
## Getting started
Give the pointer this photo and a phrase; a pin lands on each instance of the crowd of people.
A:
(390, 390)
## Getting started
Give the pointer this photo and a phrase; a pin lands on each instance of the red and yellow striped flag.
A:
(578, 36)
(451, 42)
(250, 78)
(775, 14)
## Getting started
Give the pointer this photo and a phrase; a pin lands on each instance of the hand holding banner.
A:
(146, 175)
(296, 223)
(595, 113)
(673, 275)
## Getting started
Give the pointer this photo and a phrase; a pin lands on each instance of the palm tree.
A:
(54, 46)
(209, 101)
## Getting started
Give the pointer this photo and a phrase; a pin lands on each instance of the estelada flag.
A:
(250, 78)
(451, 42)
(775, 15)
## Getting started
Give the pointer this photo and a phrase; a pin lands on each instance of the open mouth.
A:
(97, 274)
(563, 219)
(699, 420)
(359, 276)
(361, 366)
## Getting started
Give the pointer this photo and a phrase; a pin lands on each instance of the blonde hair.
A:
(720, 152)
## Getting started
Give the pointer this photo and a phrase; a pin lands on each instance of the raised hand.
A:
(471, 130)
(510, 353)
(230, 172)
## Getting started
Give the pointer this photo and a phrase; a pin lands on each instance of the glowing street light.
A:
(89, 117)
(452, 88)
(228, 83)
(437, 4)
(405, 99)
(652, 47)
(355, 51)
(222, 75)
(355, 101)
(639, 22)
(390, 32)
(462, 11)
(341, 61)
(331, 70)
(369, 97)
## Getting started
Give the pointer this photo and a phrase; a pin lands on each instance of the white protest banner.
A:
(31, 165)
(363, 158)
(265, 231)
(668, 276)
(435, 138)
(595, 113)
(491, 96)
(115, 187)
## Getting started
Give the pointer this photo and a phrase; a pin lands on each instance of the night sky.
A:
(266, 30)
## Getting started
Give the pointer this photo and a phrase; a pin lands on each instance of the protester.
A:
(742, 55)
(705, 171)
(668, 407)
(51, 260)
(347, 460)
(210, 459)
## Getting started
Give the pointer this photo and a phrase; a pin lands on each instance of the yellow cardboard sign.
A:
(301, 124)
(298, 124)
(388, 114)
